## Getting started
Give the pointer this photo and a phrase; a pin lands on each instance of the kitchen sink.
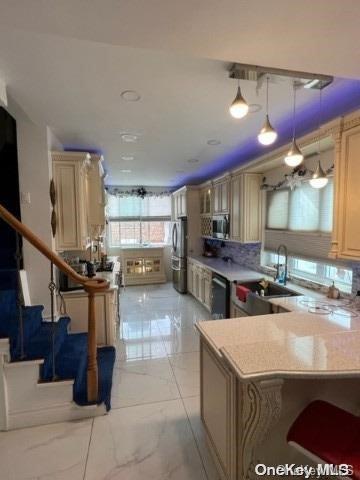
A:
(273, 289)
(259, 305)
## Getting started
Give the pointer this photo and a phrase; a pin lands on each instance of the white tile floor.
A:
(153, 431)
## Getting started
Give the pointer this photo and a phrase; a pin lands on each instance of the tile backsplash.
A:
(246, 254)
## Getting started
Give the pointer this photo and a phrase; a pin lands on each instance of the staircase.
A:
(46, 373)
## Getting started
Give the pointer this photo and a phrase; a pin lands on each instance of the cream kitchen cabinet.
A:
(199, 282)
(96, 199)
(70, 176)
(346, 225)
(245, 210)
(143, 265)
(106, 311)
(221, 197)
(236, 312)
(179, 204)
(205, 201)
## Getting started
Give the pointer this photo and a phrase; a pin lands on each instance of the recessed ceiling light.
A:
(129, 137)
(125, 171)
(213, 142)
(193, 160)
(254, 108)
(130, 96)
(127, 158)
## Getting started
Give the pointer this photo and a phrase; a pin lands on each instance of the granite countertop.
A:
(142, 247)
(231, 271)
(286, 345)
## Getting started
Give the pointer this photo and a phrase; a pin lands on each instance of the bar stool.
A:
(328, 434)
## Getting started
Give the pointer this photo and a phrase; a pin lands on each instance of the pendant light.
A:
(267, 134)
(239, 108)
(294, 156)
(319, 178)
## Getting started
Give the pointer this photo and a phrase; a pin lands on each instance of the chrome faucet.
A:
(284, 248)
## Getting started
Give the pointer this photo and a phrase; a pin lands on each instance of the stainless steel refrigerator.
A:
(179, 254)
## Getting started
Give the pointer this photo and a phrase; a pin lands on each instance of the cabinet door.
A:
(217, 198)
(235, 217)
(207, 201)
(183, 204)
(207, 291)
(225, 197)
(190, 277)
(347, 197)
(68, 224)
(139, 266)
(201, 286)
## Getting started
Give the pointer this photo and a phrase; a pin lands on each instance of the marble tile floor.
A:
(153, 431)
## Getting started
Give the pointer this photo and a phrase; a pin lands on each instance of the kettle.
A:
(333, 292)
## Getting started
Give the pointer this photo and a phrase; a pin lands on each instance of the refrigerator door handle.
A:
(174, 237)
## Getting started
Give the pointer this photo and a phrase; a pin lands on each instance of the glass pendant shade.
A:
(267, 134)
(239, 108)
(319, 178)
(294, 156)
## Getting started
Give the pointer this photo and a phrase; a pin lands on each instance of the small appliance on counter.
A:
(66, 284)
(209, 250)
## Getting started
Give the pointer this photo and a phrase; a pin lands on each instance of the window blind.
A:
(304, 210)
(277, 209)
(137, 208)
(301, 219)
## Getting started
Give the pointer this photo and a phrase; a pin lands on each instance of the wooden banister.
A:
(91, 286)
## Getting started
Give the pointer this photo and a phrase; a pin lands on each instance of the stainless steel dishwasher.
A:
(220, 289)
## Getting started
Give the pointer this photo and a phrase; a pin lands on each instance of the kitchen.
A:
(193, 176)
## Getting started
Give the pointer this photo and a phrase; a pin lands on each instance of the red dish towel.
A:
(242, 293)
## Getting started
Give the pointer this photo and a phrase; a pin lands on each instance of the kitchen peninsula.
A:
(267, 369)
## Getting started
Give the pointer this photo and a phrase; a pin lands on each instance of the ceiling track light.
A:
(319, 178)
(294, 157)
(268, 134)
(239, 107)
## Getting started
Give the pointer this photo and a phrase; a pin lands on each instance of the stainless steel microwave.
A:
(221, 226)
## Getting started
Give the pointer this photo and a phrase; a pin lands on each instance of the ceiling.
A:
(67, 63)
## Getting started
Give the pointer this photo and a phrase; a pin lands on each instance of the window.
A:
(134, 220)
(304, 209)
(316, 271)
(137, 232)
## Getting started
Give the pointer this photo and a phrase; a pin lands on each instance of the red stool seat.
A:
(329, 433)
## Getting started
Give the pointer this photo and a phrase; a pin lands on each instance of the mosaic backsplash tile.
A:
(246, 254)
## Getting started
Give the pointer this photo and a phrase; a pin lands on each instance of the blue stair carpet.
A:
(70, 349)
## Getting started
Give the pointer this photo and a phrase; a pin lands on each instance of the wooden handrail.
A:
(91, 286)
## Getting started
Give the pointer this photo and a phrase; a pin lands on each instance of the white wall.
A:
(34, 142)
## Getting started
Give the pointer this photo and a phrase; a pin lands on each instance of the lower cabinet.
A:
(236, 312)
(143, 265)
(106, 311)
(218, 411)
(199, 283)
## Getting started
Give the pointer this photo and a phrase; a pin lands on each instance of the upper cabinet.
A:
(346, 225)
(71, 191)
(79, 199)
(245, 208)
(96, 196)
(205, 201)
(179, 204)
(221, 197)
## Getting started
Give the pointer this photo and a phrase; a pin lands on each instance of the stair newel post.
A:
(52, 288)
(19, 296)
(92, 369)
